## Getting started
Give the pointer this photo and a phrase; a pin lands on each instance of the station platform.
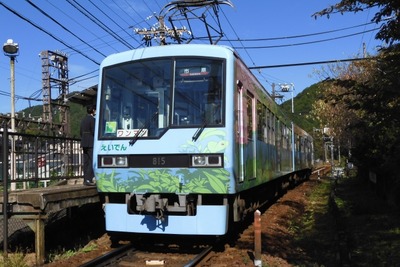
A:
(34, 205)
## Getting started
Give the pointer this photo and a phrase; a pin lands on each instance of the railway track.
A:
(128, 255)
(111, 257)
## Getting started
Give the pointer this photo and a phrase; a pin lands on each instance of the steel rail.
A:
(199, 257)
(110, 257)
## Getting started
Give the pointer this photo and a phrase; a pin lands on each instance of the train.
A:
(189, 142)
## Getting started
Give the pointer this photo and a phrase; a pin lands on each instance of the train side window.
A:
(250, 124)
(272, 134)
(261, 125)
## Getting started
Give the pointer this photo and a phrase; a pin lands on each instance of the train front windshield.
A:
(145, 98)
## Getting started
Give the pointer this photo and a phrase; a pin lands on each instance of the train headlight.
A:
(114, 161)
(121, 161)
(214, 160)
(199, 160)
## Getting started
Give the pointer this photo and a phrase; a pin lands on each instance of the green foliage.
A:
(65, 254)
(76, 113)
(362, 105)
(387, 12)
(13, 260)
(302, 108)
(378, 130)
(371, 225)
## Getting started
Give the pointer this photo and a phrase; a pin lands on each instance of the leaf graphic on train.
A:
(211, 132)
(197, 185)
(216, 183)
(203, 190)
(214, 147)
(191, 147)
(170, 183)
(221, 174)
(141, 181)
(138, 175)
(144, 188)
(157, 180)
(108, 182)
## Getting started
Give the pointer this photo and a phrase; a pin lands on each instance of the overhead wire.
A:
(145, 20)
(311, 63)
(137, 13)
(307, 43)
(99, 23)
(83, 27)
(48, 33)
(111, 19)
(246, 51)
(63, 27)
(121, 17)
(299, 35)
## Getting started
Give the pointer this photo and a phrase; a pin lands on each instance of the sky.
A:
(271, 33)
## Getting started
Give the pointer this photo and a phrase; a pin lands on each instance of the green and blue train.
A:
(188, 141)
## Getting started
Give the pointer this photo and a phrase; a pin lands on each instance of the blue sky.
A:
(247, 20)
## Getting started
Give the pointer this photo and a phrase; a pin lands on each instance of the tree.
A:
(363, 101)
(332, 111)
(388, 13)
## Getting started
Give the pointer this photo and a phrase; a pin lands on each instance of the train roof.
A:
(166, 50)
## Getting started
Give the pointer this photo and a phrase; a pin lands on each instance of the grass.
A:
(371, 225)
(60, 255)
(353, 226)
(13, 260)
(316, 234)
(18, 259)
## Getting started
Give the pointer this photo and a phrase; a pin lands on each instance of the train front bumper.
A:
(209, 220)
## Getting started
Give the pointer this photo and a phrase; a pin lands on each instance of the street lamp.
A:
(286, 88)
(11, 50)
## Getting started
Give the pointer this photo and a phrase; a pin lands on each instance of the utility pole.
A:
(11, 50)
(161, 33)
(55, 63)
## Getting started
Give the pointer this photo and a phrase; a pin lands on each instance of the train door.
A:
(240, 132)
(278, 143)
(245, 134)
(250, 148)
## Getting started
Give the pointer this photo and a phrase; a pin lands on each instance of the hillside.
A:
(302, 107)
(302, 117)
(77, 112)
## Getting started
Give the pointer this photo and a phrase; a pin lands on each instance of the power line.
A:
(310, 63)
(307, 43)
(83, 27)
(111, 19)
(296, 36)
(62, 26)
(48, 33)
(96, 21)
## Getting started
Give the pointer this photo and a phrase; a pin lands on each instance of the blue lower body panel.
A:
(209, 220)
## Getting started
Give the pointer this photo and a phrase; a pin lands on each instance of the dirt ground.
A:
(277, 235)
(278, 248)
(318, 223)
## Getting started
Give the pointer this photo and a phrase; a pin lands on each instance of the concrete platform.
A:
(33, 206)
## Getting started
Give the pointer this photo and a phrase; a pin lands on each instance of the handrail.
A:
(41, 160)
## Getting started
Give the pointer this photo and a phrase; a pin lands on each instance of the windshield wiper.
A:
(141, 130)
(199, 131)
(205, 124)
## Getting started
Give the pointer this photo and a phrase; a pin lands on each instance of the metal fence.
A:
(36, 161)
